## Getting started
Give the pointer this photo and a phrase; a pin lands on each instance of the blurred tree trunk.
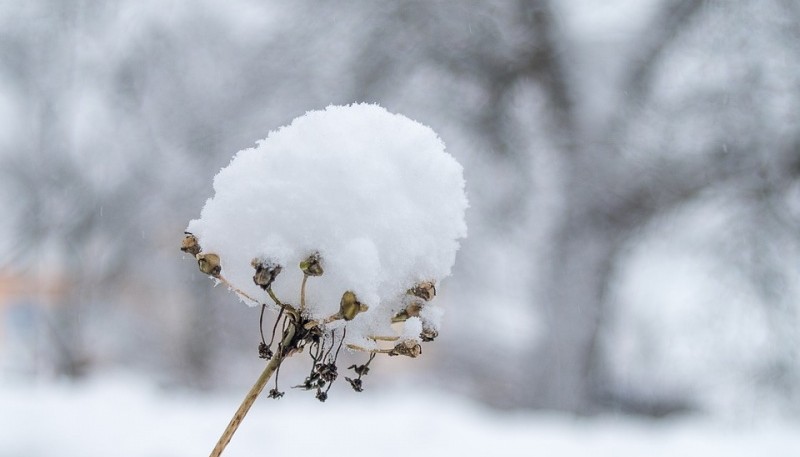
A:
(564, 375)
(605, 201)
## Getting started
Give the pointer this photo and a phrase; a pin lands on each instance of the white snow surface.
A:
(374, 193)
(123, 416)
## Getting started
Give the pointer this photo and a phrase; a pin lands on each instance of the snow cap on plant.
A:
(363, 204)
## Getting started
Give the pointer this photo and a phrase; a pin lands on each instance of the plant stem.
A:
(273, 297)
(248, 401)
(245, 406)
(303, 293)
(235, 289)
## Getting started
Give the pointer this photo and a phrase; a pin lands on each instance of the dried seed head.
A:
(209, 264)
(312, 266)
(327, 371)
(361, 370)
(356, 384)
(428, 334)
(266, 272)
(411, 310)
(349, 307)
(275, 393)
(424, 290)
(264, 352)
(408, 348)
(309, 383)
(190, 244)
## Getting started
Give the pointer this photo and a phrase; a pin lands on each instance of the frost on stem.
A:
(351, 262)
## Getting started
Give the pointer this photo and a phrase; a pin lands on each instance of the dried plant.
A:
(321, 340)
(347, 217)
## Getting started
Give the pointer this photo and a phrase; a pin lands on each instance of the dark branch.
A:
(667, 25)
(545, 63)
(659, 37)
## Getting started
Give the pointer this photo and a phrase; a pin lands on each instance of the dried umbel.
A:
(323, 338)
(299, 332)
(349, 263)
(322, 335)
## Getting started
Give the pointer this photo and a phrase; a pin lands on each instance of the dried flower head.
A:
(312, 266)
(190, 244)
(209, 264)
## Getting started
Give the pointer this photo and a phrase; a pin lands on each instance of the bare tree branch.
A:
(659, 37)
(545, 62)
(667, 25)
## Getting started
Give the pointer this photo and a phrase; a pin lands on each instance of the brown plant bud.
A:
(190, 244)
(312, 266)
(266, 272)
(408, 348)
(349, 307)
(411, 310)
(424, 290)
(428, 334)
(209, 264)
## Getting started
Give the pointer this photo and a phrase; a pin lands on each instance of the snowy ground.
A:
(123, 417)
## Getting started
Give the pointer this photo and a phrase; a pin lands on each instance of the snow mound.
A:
(374, 194)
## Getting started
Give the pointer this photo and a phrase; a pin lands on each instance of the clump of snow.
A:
(373, 193)
(412, 329)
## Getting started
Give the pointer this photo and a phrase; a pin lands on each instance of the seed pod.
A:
(349, 307)
(408, 348)
(266, 272)
(356, 384)
(190, 244)
(428, 334)
(209, 264)
(411, 310)
(424, 290)
(312, 266)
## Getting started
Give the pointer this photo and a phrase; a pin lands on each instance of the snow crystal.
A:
(373, 193)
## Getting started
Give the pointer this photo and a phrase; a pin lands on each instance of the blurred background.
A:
(633, 169)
